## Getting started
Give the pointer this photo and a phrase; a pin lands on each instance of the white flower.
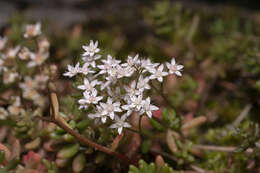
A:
(146, 64)
(137, 102)
(85, 70)
(158, 73)
(115, 94)
(108, 64)
(12, 52)
(28, 83)
(109, 108)
(3, 41)
(90, 98)
(120, 123)
(31, 94)
(134, 103)
(24, 54)
(41, 80)
(125, 72)
(174, 68)
(132, 90)
(91, 49)
(91, 59)
(147, 107)
(43, 44)
(10, 77)
(98, 114)
(32, 30)
(15, 108)
(143, 83)
(113, 71)
(89, 86)
(132, 61)
(3, 113)
(72, 71)
(37, 58)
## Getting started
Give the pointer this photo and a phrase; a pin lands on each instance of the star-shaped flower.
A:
(86, 70)
(32, 30)
(132, 61)
(37, 58)
(108, 63)
(136, 102)
(147, 107)
(72, 71)
(90, 98)
(91, 59)
(120, 123)
(143, 83)
(158, 73)
(174, 68)
(89, 86)
(91, 49)
(98, 114)
(110, 108)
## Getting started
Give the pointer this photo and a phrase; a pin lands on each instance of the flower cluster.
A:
(19, 68)
(112, 89)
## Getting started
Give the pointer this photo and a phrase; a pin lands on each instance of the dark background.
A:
(67, 12)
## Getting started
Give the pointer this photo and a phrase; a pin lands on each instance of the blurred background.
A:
(217, 41)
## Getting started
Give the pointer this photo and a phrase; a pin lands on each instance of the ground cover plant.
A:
(182, 97)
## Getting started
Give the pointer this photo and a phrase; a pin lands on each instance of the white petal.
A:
(179, 67)
(178, 73)
(82, 101)
(161, 67)
(111, 115)
(113, 126)
(154, 107)
(168, 65)
(127, 125)
(173, 61)
(149, 114)
(82, 87)
(120, 130)
(103, 119)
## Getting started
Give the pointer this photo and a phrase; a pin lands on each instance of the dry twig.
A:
(58, 120)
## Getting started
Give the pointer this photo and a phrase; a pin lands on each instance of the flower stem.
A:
(57, 119)
(168, 102)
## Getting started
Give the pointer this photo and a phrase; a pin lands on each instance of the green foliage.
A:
(221, 76)
(150, 168)
(11, 165)
(170, 118)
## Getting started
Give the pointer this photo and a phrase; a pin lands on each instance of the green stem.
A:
(133, 130)
(170, 105)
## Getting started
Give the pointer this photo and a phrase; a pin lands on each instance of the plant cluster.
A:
(124, 86)
(131, 111)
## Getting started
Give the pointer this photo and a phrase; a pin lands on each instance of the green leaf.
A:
(156, 125)
(133, 169)
(2, 156)
(68, 151)
(146, 146)
(79, 163)
(151, 168)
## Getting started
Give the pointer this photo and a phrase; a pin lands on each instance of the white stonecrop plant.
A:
(114, 89)
(24, 86)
